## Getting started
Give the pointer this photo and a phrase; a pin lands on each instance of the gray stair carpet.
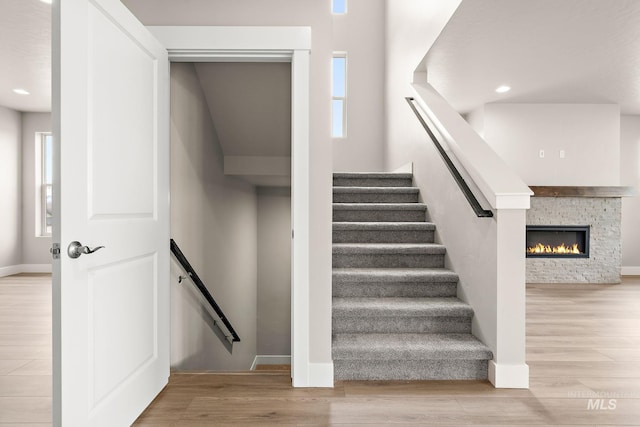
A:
(395, 311)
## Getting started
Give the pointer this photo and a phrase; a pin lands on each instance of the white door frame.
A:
(270, 44)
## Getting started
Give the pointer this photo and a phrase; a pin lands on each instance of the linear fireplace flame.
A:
(557, 241)
(561, 249)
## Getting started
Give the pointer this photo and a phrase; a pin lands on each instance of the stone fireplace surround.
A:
(599, 207)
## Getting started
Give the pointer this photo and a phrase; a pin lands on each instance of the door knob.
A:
(76, 249)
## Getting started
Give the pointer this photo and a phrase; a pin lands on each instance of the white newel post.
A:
(508, 368)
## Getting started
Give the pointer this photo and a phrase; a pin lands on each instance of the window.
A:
(339, 6)
(339, 96)
(46, 180)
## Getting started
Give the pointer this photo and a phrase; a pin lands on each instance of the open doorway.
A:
(231, 211)
(290, 45)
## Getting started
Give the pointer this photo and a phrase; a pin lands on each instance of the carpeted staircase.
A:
(395, 311)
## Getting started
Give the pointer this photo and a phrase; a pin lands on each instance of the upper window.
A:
(339, 96)
(339, 6)
(46, 184)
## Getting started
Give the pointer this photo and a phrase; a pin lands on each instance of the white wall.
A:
(317, 15)
(35, 249)
(595, 138)
(630, 175)
(360, 33)
(20, 249)
(274, 271)
(412, 27)
(11, 190)
(475, 119)
(213, 220)
(588, 133)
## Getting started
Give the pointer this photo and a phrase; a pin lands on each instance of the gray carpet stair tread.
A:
(395, 311)
(409, 347)
(343, 175)
(401, 306)
(389, 248)
(398, 275)
(384, 226)
(379, 207)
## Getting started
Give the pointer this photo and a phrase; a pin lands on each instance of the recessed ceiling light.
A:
(21, 92)
(46, 1)
(503, 89)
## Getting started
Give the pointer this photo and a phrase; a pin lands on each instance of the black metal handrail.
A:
(202, 288)
(468, 194)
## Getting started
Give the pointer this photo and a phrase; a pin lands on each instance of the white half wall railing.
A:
(487, 253)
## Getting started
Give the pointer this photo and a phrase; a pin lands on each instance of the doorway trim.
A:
(270, 44)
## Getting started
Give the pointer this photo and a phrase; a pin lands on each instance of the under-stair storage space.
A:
(395, 310)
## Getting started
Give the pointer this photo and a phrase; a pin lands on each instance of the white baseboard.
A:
(25, 268)
(321, 375)
(508, 376)
(10, 270)
(630, 271)
(270, 360)
(36, 268)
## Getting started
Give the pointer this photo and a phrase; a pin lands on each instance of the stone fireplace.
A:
(597, 208)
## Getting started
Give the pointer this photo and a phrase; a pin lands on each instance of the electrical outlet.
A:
(541, 154)
(562, 154)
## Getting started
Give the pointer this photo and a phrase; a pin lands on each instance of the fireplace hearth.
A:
(557, 241)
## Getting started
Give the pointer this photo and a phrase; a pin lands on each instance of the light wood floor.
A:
(25, 350)
(583, 344)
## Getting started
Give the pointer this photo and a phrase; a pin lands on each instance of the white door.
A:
(111, 189)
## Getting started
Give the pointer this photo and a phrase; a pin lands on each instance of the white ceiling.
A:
(548, 51)
(560, 51)
(25, 54)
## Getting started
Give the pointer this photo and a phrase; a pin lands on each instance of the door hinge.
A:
(55, 251)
